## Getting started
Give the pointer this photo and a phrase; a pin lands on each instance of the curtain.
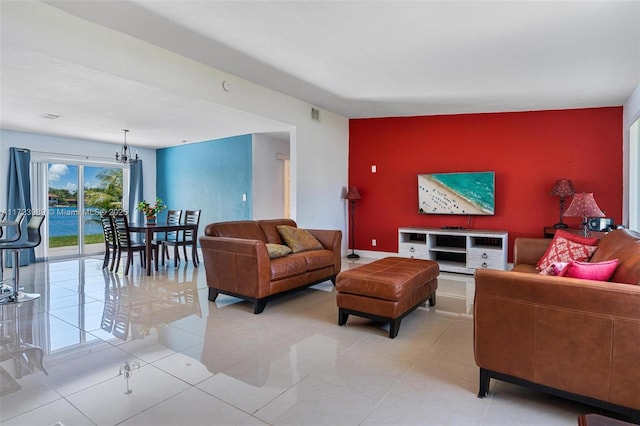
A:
(19, 198)
(135, 195)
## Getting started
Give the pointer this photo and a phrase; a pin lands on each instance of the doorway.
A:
(76, 196)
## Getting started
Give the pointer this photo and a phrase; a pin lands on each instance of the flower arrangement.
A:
(151, 210)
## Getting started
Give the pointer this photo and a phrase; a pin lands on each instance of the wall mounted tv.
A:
(466, 193)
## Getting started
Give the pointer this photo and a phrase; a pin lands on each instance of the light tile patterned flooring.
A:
(197, 362)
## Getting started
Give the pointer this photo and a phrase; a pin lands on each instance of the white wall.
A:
(268, 176)
(319, 150)
(631, 212)
(73, 147)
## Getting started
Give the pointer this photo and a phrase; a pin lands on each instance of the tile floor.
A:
(195, 362)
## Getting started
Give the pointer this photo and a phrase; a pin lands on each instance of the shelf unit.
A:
(456, 250)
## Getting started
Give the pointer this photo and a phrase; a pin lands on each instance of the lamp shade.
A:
(352, 194)
(583, 205)
(563, 188)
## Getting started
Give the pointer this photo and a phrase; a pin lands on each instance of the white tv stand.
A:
(455, 250)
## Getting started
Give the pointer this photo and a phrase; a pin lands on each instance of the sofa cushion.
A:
(564, 250)
(600, 271)
(298, 239)
(270, 229)
(318, 259)
(288, 266)
(624, 245)
(277, 250)
(246, 229)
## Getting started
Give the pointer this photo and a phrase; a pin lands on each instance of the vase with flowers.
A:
(151, 210)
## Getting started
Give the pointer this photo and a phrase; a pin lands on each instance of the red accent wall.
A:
(528, 151)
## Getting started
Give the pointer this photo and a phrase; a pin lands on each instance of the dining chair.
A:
(110, 244)
(125, 243)
(173, 218)
(186, 238)
(32, 240)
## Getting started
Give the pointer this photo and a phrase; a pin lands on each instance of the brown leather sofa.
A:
(237, 262)
(571, 337)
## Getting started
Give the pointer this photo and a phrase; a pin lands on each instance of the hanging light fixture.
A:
(124, 156)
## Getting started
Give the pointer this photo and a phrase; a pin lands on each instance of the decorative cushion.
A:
(589, 241)
(277, 250)
(557, 269)
(564, 250)
(298, 239)
(600, 271)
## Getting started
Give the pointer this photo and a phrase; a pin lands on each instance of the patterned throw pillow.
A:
(563, 250)
(556, 269)
(298, 239)
(277, 250)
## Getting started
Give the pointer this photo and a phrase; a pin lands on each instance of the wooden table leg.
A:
(149, 234)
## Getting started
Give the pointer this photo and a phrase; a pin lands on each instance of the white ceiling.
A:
(355, 58)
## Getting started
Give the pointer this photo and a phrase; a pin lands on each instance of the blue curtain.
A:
(19, 198)
(135, 191)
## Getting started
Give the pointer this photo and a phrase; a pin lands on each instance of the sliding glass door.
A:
(77, 194)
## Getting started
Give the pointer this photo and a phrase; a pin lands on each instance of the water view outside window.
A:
(74, 209)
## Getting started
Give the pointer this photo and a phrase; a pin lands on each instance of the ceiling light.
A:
(124, 156)
(50, 116)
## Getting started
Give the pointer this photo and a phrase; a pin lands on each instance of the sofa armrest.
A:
(579, 336)
(237, 265)
(330, 240)
(529, 250)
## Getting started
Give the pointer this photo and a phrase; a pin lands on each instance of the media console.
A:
(455, 250)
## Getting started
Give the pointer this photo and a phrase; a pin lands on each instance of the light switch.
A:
(374, 168)
(244, 197)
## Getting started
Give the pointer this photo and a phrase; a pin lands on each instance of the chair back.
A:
(34, 236)
(2, 215)
(191, 217)
(121, 227)
(173, 218)
(15, 230)
(108, 229)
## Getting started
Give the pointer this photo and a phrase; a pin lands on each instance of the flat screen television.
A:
(465, 193)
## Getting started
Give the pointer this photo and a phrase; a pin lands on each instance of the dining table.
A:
(148, 229)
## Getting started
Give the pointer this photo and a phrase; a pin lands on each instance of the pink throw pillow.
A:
(600, 271)
(565, 250)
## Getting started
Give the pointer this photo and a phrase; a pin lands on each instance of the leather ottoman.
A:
(386, 290)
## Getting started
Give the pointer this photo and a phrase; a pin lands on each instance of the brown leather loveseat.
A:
(572, 337)
(238, 263)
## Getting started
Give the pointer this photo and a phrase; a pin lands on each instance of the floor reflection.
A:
(135, 308)
(154, 350)
(17, 345)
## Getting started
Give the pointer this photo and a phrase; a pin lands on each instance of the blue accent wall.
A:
(210, 176)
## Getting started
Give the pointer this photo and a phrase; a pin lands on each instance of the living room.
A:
(202, 362)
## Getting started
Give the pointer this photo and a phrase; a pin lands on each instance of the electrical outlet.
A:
(374, 242)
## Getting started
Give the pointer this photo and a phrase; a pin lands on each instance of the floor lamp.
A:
(352, 195)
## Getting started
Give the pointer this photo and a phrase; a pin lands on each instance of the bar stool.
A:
(32, 240)
(17, 223)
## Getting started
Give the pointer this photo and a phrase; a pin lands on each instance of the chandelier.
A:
(124, 156)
